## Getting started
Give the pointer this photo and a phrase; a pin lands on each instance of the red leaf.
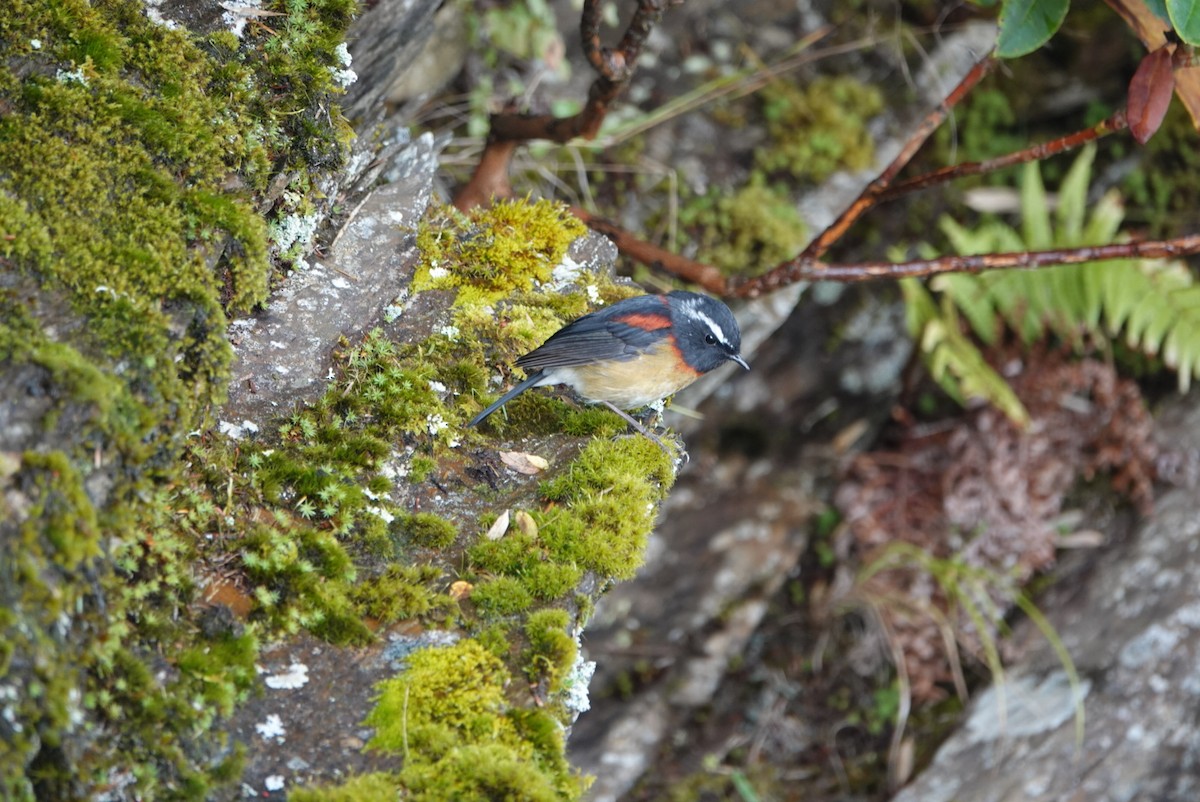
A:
(1150, 93)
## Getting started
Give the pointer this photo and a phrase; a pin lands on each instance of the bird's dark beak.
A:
(738, 359)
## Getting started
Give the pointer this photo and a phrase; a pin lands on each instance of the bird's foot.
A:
(679, 452)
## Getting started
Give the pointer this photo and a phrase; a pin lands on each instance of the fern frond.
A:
(1153, 305)
(952, 359)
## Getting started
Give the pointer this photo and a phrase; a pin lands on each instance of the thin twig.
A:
(803, 266)
(816, 270)
(706, 276)
(1109, 125)
(615, 68)
(869, 196)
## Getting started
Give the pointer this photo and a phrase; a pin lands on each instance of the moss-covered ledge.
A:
(158, 578)
(146, 174)
(430, 552)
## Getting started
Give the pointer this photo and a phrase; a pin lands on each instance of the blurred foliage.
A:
(1154, 305)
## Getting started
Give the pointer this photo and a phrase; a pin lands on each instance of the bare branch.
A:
(816, 270)
(1117, 122)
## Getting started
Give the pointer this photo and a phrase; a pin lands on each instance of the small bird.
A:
(633, 353)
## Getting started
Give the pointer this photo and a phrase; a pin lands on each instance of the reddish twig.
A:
(1117, 122)
(801, 268)
(706, 276)
(870, 196)
(617, 65)
(490, 178)
(816, 270)
(615, 68)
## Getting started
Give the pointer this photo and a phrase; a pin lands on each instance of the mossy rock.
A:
(133, 161)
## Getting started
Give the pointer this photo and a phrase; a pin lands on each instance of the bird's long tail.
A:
(533, 379)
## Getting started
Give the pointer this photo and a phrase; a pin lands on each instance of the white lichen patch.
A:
(293, 231)
(237, 14)
(236, 431)
(271, 728)
(343, 76)
(155, 15)
(382, 513)
(74, 76)
(575, 684)
(296, 676)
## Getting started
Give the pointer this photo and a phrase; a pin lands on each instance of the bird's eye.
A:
(710, 339)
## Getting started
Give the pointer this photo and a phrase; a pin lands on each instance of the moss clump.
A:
(479, 773)
(377, 787)
(608, 498)
(1166, 191)
(449, 717)
(500, 596)
(497, 639)
(818, 128)
(319, 556)
(514, 554)
(429, 531)
(401, 592)
(549, 581)
(490, 253)
(747, 231)
(552, 650)
(523, 556)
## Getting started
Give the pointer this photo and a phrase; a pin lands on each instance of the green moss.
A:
(550, 581)
(818, 128)
(401, 592)
(1165, 192)
(500, 596)
(479, 773)
(552, 650)
(378, 787)
(497, 639)
(430, 531)
(489, 253)
(746, 231)
(608, 497)
(62, 513)
(449, 717)
(130, 159)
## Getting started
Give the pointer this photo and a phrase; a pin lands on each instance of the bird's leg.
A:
(642, 429)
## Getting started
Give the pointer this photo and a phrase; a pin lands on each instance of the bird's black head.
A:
(705, 331)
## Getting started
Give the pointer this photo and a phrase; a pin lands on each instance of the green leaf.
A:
(1072, 199)
(918, 306)
(1107, 215)
(1035, 215)
(1185, 16)
(974, 301)
(1026, 25)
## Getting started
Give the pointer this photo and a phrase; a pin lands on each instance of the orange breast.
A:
(634, 383)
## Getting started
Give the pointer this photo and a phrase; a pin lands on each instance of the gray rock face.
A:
(384, 41)
(282, 354)
(1131, 621)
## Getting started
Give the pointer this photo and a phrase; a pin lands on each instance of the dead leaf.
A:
(1148, 26)
(525, 523)
(460, 590)
(1152, 30)
(528, 464)
(1187, 87)
(497, 529)
(1150, 93)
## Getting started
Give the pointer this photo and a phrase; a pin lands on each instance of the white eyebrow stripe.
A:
(708, 321)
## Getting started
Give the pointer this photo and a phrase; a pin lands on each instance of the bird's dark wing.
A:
(619, 332)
